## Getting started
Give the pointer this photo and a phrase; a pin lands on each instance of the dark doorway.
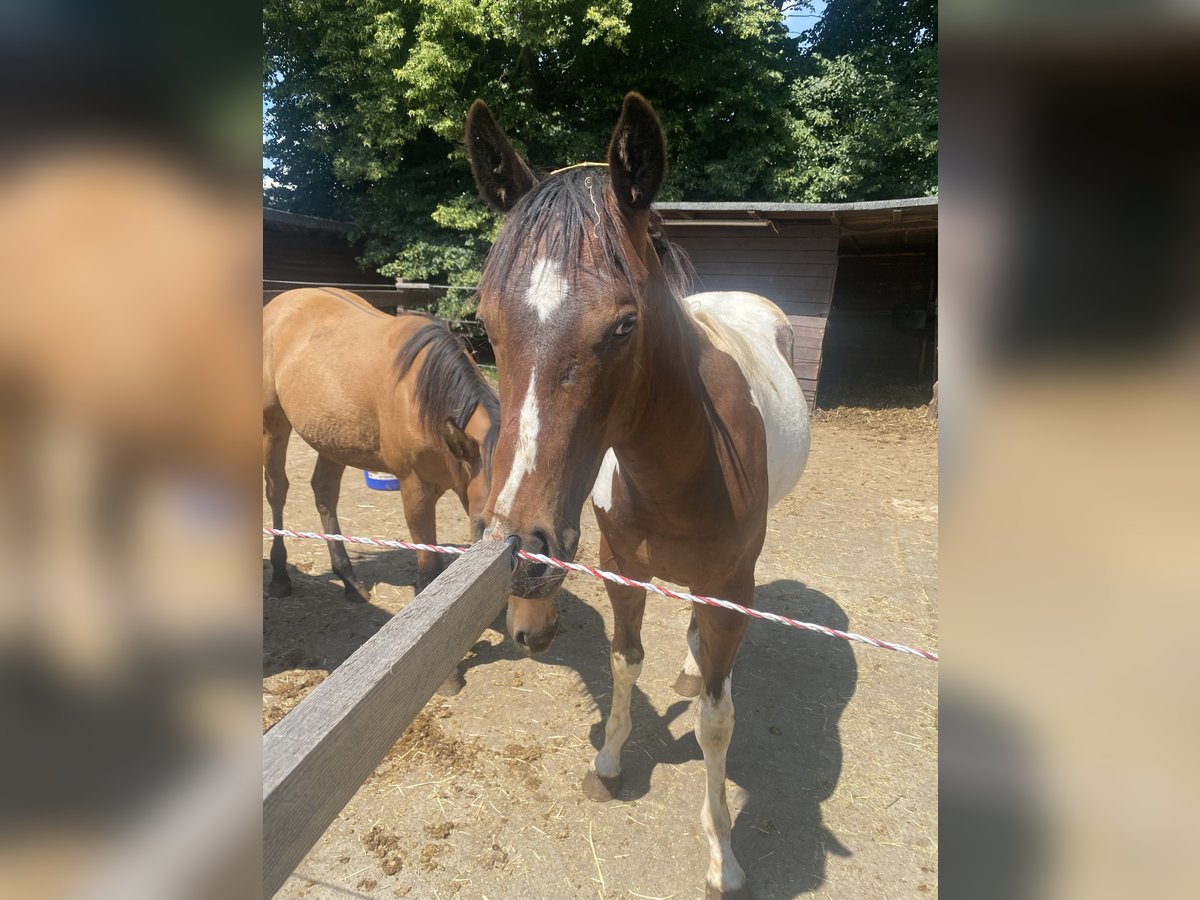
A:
(880, 347)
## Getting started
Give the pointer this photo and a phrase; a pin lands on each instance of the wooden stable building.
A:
(299, 251)
(857, 280)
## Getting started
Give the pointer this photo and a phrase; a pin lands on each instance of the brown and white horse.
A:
(396, 394)
(686, 409)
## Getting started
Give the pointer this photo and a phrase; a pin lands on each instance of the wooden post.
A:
(319, 755)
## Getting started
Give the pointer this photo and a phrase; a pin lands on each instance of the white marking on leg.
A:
(691, 662)
(714, 728)
(603, 489)
(547, 288)
(525, 454)
(618, 727)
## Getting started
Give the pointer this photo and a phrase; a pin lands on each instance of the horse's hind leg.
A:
(276, 432)
(689, 682)
(720, 633)
(327, 487)
(603, 780)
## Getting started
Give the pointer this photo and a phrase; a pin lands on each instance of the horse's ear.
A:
(462, 445)
(637, 154)
(501, 175)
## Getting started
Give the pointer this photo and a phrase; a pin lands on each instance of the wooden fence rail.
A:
(319, 755)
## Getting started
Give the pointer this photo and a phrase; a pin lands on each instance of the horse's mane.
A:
(449, 384)
(676, 264)
(557, 216)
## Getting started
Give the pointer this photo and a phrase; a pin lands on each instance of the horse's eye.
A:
(625, 327)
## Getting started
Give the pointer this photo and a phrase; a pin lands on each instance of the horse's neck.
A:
(674, 418)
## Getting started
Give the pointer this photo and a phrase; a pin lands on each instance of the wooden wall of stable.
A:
(794, 265)
(295, 254)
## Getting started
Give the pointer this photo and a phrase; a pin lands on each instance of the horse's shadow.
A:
(790, 689)
(312, 645)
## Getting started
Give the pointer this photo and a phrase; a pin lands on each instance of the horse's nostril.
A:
(538, 543)
(522, 638)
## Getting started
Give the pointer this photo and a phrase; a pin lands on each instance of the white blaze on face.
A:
(547, 288)
(525, 454)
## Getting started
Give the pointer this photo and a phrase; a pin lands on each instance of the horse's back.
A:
(314, 306)
(310, 334)
(327, 359)
(327, 320)
(758, 336)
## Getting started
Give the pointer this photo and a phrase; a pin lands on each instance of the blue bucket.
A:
(382, 481)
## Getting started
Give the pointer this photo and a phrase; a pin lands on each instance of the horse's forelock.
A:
(561, 217)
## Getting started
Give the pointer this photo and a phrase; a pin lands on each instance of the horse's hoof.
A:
(356, 593)
(599, 788)
(688, 685)
(715, 893)
(452, 685)
(279, 589)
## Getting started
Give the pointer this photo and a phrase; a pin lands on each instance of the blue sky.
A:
(804, 19)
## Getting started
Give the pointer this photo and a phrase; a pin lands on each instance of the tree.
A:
(865, 114)
(368, 100)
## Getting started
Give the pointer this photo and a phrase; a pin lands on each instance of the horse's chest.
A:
(691, 550)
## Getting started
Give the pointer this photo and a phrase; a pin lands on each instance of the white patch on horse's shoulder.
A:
(746, 327)
(603, 488)
(547, 288)
(525, 453)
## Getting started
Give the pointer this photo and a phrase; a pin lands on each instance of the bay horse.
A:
(396, 394)
(681, 416)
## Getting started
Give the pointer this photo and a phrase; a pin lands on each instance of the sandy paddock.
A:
(833, 765)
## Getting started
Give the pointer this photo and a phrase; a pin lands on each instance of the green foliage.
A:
(861, 133)
(865, 113)
(368, 100)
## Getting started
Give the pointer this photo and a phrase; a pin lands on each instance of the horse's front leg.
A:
(420, 512)
(689, 683)
(603, 780)
(719, 635)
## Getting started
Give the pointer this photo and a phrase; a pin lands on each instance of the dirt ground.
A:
(833, 765)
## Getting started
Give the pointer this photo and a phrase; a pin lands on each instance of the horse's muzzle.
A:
(532, 624)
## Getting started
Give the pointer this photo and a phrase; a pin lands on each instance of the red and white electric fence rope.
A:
(618, 579)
